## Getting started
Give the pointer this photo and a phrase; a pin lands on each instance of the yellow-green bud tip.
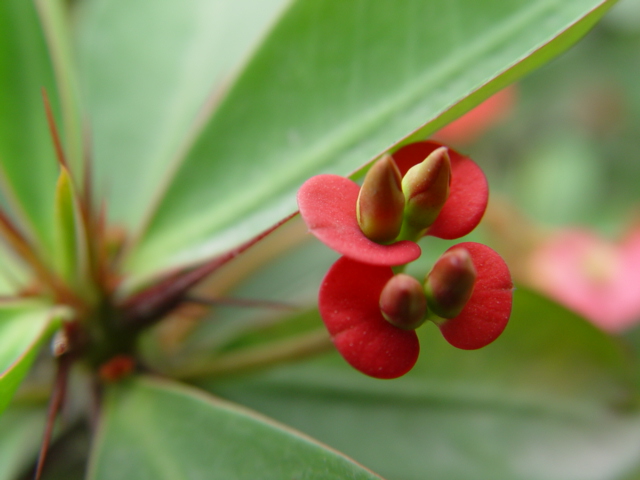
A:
(381, 202)
(426, 189)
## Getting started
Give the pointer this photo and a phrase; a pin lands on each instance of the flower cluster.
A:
(370, 309)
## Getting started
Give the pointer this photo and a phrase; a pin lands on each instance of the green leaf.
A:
(551, 399)
(65, 227)
(147, 72)
(155, 429)
(23, 328)
(334, 85)
(27, 162)
(13, 274)
(21, 428)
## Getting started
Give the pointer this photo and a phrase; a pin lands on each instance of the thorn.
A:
(240, 302)
(87, 158)
(55, 405)
(150, 305)
(62, 160)
(23, 248)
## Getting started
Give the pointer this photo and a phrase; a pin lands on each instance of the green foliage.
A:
(385, 71)
(207, 438)
(27, 161)
(551, 399)
(21, 429)
(24, 327)
(199, 120)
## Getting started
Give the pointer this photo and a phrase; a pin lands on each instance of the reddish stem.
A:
(57, 143)
(55, 405)
(149, 306)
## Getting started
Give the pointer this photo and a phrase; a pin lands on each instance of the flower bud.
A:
(381, 202)
(450, 283)
(426, 189)
(117, 368)
(402, 302)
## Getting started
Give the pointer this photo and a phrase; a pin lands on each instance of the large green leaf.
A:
(147, 69)
(21, 428)
(23, 329)
(333, 85)
(27, 162)
(551, 399)
(152, 429)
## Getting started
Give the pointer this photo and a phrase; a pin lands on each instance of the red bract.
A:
(350, 294)
(328, 206)
(487, 312)
(349, 305)
(468, 194)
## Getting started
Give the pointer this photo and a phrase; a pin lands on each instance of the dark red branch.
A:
(55, 405)
(151, 305)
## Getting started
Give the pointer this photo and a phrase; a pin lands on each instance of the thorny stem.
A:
(89, 224)
(112, 328)
(102, 327)
(55, 404)
(295, 348)
(107, 327)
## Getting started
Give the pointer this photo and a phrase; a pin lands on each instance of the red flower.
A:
(349, 306)
(328, 206)
(474, 293)
(487, 312)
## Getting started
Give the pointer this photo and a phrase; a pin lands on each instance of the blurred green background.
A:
(568, 151)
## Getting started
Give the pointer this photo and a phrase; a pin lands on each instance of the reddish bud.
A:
(468, 192)
(381, 202)
(328, 207)
(450, 283)
(349, 306)
(117, 368)
(402, 302)
(486, 314)
(426, 189)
